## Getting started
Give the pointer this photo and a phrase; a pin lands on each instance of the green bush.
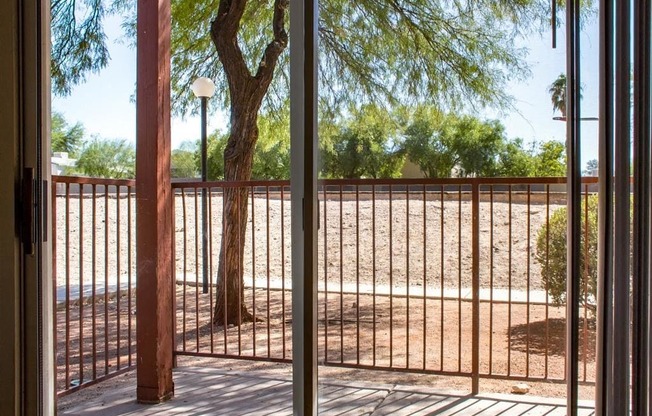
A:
(551, 253)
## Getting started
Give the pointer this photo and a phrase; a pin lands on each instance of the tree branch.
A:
(224, 33)
(274, 49)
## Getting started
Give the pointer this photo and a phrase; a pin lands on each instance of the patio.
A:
(202, 390)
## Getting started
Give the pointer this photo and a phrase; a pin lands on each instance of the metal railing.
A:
(418, 275)
(94, 276)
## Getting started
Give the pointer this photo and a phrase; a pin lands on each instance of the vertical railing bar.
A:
(94, 281)
(407, 276)
(475, 355)
(585, 327)
(459, 278)
(240, 282)
(67, 357)
(269, 343)
(547, 267)
(173, 196)
(283, 264)
(253, 269)
(509, 281)
(357, 272)
(185, 263)
(527, 293)
(325, 196)
(106, 279)
(81, 284)
(425, 281)
(211, 312)
(53, 230)
(391, 279)
(117, 262)
(373, 273)
(491, 277)
(341, 279)
(225, 325)
(441, 278)
(197, 239)
(129, 259)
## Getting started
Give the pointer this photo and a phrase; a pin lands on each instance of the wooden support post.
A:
(155, 313)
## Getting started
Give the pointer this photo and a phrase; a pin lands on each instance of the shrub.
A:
(551, 253)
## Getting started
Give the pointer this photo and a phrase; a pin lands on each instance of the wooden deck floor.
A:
(206, 391)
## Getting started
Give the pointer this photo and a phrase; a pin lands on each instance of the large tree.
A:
(456, 54)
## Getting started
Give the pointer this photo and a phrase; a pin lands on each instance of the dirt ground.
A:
(354, 332)
(411, 242)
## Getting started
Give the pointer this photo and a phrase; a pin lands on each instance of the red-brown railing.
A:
(94, 278)
(418, 275)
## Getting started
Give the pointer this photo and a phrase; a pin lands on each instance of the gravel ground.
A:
(371, 242)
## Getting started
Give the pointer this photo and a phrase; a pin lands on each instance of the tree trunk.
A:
(246, 91)
(230, 307)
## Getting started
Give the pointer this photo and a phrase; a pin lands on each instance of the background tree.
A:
(426, 147)
(215, 145)
(591, 167)
(182, 161)
(102, 158)
(272, 155)
(66, 138)
(550, 160)
(557, 91)
(466, 54)
(477, 144)
(515, 160)
(364, 147)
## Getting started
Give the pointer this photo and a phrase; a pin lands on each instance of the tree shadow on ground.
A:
(549, 337)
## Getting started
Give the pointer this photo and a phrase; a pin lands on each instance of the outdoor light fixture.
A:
(204, 88)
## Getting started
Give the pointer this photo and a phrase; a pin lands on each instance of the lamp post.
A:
(204, 89)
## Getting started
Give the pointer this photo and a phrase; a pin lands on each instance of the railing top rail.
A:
(83, 180)
(329, 182)
(228, 184)
(398, 181)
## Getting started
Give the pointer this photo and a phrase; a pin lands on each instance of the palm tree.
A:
(557, 91)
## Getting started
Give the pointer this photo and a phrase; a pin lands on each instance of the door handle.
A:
(28, 211)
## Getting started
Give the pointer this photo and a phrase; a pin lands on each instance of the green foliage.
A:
(272, 157)
(364, 146)
(457, 54)
(515, 160)
(427, 148)
(440, 143)
(66, 138)
(102, 158)
(78, 41)
(551, 159)
(215, 145)
(476, 144)
(551, 253)
(182, 161)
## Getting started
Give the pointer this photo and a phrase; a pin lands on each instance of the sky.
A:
(105, 105)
